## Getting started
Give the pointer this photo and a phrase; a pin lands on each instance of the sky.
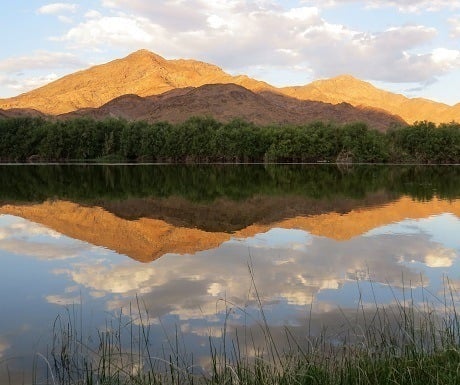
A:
(407, 46)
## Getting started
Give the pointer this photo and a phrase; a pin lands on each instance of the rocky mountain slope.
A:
(228, 101)
(142, 73)
(348, 89)
(145, 85)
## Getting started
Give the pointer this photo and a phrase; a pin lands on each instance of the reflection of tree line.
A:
(207, 140)
(205, 183)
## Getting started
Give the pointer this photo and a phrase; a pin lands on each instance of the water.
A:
(195, 249)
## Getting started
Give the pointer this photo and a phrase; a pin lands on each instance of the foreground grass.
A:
(402, 344)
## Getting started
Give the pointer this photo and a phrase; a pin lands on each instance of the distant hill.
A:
(228, 101)
(348, 89)
(145, 85)
(142, 73)
(19, 112)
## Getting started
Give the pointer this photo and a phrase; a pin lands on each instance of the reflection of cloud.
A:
(129, 279)
(4, 346)
(451, 286)
(19, 227)
(42, 250)
(22, 237)
(63, 299)
(211, 331)
(197, 286)
(440, 258)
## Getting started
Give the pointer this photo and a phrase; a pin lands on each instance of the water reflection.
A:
(26, 238)
(289, 265)
(310, 261)
(147, 239)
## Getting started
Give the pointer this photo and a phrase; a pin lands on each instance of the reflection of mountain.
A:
(146, 239)
(227, 215)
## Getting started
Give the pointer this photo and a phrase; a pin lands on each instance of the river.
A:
(196, 253)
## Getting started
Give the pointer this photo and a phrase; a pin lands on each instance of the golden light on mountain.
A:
(142, 73)
(159, 84)
(348, 89)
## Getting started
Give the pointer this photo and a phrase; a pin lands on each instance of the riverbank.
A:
(205, 140)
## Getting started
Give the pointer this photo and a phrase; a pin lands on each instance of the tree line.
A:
(203, 139)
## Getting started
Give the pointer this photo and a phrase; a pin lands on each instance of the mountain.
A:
(132, 84)
(19, 112)
(229, 101)
(142, 73)
(348, 89)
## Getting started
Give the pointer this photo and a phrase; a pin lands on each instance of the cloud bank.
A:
(264, 34)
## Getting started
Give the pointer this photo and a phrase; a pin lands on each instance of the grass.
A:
(406, 343)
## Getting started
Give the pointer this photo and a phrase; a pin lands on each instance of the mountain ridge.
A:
(346, 88)
(146, 74)
(226, 102)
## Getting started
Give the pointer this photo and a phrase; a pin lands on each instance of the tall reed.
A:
(403, 343)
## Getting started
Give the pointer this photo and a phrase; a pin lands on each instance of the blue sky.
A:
(407, 46)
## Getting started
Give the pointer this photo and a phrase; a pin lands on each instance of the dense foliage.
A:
(206, 140)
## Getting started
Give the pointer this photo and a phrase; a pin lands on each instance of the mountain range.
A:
(145, 86)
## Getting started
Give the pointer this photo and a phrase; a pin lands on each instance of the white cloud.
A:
(112, 30)
(303, 14)
(417, 5)
(25, 84)
(65, 19)
(216, 22)
(92, 14)
(409, 6)
(448, 58)
(57, 8)
(265, 35)
(40, 60)
(385, 56)
(455, 26)
(24, 73)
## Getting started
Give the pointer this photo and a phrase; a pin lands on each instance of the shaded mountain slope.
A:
(225, 102)
(146, 74)
(20, 112)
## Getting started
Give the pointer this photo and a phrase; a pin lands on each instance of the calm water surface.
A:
(191, 244)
